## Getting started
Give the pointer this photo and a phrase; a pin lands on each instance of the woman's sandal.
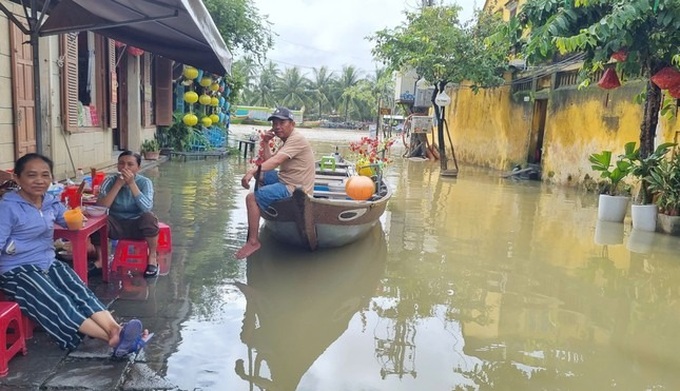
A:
(132, 339)
(151, 271)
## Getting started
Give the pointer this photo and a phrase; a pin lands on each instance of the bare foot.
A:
(114, 336)
(247, 250)
(152, 259)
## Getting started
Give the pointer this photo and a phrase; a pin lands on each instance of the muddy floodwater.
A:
(469, 283)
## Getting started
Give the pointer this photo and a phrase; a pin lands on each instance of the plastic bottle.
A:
(336, 155)
(80, 174)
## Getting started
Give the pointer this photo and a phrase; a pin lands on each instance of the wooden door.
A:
(537, 131)
(23, 99)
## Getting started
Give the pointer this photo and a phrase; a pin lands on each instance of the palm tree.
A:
(348, 78)
(321, 87)
(291, 90)
(243, 73)
(265, 90)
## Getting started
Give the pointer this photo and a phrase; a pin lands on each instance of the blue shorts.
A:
(271, 190)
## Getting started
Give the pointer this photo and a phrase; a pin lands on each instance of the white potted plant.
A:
(613, 202)
(643, 209)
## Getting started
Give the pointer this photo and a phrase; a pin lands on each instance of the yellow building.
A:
(540, 117)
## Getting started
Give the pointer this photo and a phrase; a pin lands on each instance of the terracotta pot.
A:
(151, 155)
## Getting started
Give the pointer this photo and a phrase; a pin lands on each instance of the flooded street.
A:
(476, 282)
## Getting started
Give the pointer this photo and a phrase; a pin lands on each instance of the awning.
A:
(181, 30)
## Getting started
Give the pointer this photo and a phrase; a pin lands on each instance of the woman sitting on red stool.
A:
(129, 197)
(47, 290)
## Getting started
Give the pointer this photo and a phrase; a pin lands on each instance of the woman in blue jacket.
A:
(46, 289)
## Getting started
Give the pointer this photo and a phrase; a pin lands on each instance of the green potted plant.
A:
(664, 182)
(643, 210)
(150, 149)
(613, 201)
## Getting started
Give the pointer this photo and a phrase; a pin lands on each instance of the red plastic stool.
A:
(164, 238)
(28, 324)
(130, 254)
(11, 341)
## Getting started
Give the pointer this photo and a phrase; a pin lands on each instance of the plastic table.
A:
(78, 239)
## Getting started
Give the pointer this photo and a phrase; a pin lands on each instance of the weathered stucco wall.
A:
(492, 128)
(489, 128)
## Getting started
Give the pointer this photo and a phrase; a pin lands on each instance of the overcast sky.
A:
(313, 33)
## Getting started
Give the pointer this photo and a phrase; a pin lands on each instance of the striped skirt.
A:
(56, 298)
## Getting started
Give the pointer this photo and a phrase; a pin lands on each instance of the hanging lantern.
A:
(190, 119)
(214, 118)
(221, 89)
(674, 91)
(190, 72)
(205, 81)
(133, 51)
(620, 55)
(206, 121)
(666, 78)
(119, 44)
(609, 79)
(221, 101)
(204, 99)
(214, 87)
(191, 97)
(214, 101)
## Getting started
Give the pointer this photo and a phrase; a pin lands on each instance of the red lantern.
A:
(119, 44)
(620, 56)
(674, 91)
(133, 51)
(666, 78)
(609, 79)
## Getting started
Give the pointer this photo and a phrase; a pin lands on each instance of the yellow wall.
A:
(488, 128)
(492, 128)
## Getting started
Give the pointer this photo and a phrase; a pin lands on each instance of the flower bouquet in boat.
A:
(347, 202)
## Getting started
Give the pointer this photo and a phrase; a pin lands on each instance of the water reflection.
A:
(479, 283)
(299, 303)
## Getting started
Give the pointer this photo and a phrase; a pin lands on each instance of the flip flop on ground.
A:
(131, 339)
(151, 271)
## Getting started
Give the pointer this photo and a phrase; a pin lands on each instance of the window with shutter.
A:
(147, 98)
(83, 81)
(112, 84)
(163, 91)
(69, 89)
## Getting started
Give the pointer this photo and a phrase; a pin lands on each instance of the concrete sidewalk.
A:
(90, 367)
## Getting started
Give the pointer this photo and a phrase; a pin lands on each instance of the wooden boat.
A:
(328, 218)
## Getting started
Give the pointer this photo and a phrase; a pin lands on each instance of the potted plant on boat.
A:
(613, 201)
(643, 209)
(664, 182)
(150, 149)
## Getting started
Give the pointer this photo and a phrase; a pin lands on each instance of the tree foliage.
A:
(242, 26)
(648, 31)
(439, 47)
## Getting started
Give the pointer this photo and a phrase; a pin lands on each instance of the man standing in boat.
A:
(295, 163)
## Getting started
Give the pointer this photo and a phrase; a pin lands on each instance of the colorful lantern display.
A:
(204, 99)
(205, 81)
(191, 97)
(190, 119)
(190, 72)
